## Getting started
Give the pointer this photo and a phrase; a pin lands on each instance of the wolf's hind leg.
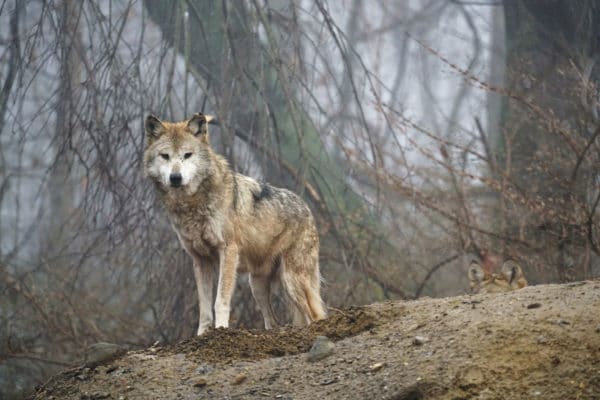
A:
(261, 290)
(297, 314)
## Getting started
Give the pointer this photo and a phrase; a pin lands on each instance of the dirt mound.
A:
(541, 342)
(226, 345)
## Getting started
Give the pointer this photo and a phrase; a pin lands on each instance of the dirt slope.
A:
(539, 342)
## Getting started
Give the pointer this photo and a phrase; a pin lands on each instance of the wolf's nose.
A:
(175, 179)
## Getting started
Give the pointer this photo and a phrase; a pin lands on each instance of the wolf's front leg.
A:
(228, 263)
(203, 272)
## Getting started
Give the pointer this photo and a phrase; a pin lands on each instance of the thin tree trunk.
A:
(61, 180)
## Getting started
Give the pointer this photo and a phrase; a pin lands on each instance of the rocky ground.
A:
(541, 342)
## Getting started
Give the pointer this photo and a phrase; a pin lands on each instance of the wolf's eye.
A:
(164, 156)
(187, 155)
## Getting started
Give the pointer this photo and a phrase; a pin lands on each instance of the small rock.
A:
(321, 348)
(205, 369)
(413, 327)
(328, 381)
(562, 322)
(100, 353)
(470, 377)
(198, 382)
(145, 357)
(239, 378)
(84, 375)
(412, 392)
(598, 329)
(120, 371)
(419, 340)
(376, 367)
(534, 305)
(101, 369)
(541, 339)
(100, 395)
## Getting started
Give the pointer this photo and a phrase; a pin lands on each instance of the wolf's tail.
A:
(301, 279)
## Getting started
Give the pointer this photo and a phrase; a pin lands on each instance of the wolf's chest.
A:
(199, 236)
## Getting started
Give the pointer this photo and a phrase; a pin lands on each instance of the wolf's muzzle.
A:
(175, 179)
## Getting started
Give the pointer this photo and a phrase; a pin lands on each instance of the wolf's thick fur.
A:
(227, 219)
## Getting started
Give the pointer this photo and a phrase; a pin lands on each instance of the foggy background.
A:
(421, 133)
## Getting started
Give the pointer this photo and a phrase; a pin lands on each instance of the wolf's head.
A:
(178, 155)
(510, 278)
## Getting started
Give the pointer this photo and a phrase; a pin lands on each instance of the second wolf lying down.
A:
(510, 278)
(228, 222)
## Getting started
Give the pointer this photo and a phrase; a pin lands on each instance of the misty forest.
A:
(421, 133)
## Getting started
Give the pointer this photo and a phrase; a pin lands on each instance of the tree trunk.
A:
(61, 181)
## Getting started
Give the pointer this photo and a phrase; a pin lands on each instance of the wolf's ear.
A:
(511, 271)
(198, 125)
(476, 273)
(153, 126)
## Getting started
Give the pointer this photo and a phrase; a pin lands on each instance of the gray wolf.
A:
(230, 223)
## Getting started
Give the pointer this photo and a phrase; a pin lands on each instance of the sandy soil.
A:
(541, 342)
